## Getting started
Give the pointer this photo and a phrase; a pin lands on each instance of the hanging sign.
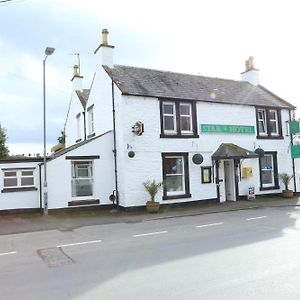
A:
(295, 151)
(233, 129)
(294, 127)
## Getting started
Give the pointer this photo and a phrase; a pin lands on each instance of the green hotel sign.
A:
(295, 151)
(233, 129)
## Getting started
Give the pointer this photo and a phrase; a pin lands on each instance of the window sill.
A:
(176, 197)
(18, 189)
(269, 137)
(269, 188)
(179, 136)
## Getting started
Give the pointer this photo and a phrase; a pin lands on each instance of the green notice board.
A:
(233, 129)
(295, 151)
(294, 127)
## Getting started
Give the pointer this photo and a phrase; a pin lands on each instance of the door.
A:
(229, 180)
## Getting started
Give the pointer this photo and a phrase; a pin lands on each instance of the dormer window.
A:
(78, 125)
(268, 123)
(178, 119)
(91, 127)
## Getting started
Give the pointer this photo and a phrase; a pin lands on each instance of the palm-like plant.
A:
(152, 188)
(286, 178)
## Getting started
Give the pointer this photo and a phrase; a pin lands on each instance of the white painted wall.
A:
(21, 199)
(71, 125)
(59, 172)
(147, 163)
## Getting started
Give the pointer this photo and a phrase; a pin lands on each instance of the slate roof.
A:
(163, 84)
(229, 150)
(83, 96)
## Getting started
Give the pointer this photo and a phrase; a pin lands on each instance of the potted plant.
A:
(152, 188)
(286, 178)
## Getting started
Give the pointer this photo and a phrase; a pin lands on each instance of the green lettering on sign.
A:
(233, 129)
(295, 151)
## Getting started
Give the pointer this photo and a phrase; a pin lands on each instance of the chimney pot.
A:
(76, 71)
(105, 36)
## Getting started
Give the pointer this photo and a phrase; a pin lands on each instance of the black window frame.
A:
(179, 133)
(185, 156)
(268, 134)
(275, 172)
(203, 168)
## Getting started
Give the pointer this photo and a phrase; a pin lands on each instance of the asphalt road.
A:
(249, 254)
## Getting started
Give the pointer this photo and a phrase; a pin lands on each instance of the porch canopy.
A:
(232, 151)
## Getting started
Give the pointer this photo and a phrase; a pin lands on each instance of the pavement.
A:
(68, 220)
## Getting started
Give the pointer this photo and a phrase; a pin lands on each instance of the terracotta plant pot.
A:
(287, 194)
(152, 206)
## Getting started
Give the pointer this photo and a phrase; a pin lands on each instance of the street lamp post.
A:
(48, 51)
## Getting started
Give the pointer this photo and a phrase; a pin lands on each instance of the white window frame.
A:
(274, 121)
(263, 120)
(186, 116)
(78, 124)
(75, 176)
(175, 193)
(264, 185)
(167, 131)
(19, 176)
(91, 128)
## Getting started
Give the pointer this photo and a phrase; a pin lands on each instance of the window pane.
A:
(169, 123)
(27, 181)
(273, 127)
(174, 183)
(185, 123)
(267, 177)
(27, 173)
(168, 109)
(273, 115)
(10, 174)
(261, 126)
(185, 109)
(10, 182)
(82, 187)
(174, 165)
(267, 162)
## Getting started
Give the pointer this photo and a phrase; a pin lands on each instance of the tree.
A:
(3, 148)
(62, 139)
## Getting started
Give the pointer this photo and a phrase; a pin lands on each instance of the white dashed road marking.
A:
(78, 244)
(211, 224)
(255, 218)
(8, 253)
(150, 233)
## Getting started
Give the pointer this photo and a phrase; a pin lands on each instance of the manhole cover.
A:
(54, 257)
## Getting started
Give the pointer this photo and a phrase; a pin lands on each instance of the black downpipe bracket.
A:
(115, 143)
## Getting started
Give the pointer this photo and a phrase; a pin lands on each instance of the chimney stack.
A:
(251, 74)
(105, 51)
(105, 37)
(77, 79)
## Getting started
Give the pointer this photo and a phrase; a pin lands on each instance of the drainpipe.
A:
(40, 179)
(84, 124)
(115, 143)
(293, 161)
